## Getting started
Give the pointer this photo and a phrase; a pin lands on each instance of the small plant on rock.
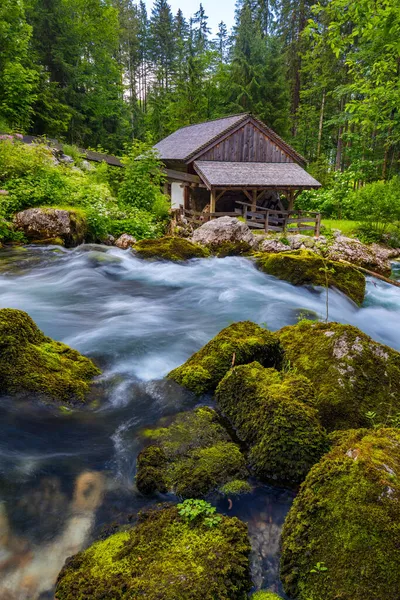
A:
(194, 510)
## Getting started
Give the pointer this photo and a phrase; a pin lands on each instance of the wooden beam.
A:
(247, 194)
(220, 195)
(181, 176)
(212, 201)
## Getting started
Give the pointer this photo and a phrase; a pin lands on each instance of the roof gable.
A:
(188, 141)
(262, 145)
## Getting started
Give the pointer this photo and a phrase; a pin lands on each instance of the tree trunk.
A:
(321, 123)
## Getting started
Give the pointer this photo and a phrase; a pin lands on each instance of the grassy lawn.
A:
(346, 227)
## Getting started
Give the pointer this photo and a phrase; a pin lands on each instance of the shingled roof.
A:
(244, 174)
(187, 141)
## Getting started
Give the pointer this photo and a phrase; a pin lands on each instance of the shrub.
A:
(143, 179)
(376, 205)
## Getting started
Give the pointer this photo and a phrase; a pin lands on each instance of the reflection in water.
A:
(27, 569)
(62, 476)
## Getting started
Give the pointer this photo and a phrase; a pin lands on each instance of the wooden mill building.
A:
(213, 165)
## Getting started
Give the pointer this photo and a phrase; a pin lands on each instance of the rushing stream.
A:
(64, 475)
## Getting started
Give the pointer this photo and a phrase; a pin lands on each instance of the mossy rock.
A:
(237, 344)
(303, 267)
(32, 363)
(274, 414)
(352, 374)
(162, 556)
(341, 536)
(223, 249)
(191, 457)
(261, 595)
(170, 248)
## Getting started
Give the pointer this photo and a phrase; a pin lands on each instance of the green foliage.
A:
(274, 415)
(32, 179)
(143, 178)
(164, 556)
(191, 457)
(376, 205)
(342, 531)
(237, 344)
(304, 267)
(351, 373)
(32, 363)
(195, 510)
(261, 595)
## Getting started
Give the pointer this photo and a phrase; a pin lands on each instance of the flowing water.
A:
(64, 475)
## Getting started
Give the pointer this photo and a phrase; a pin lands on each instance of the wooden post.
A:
(245, 213)
(318, 225)
(254, 201)
(291, 200)
(266, 221)
(212, 201)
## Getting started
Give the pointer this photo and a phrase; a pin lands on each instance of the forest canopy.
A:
(98, 73)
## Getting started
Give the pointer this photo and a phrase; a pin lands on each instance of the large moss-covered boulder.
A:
(237, 344)
(169, 248)
(164, 556)
(341, 537)
(32, 363)
(191, 457)
(45, 224)
(305, 267)
(352, 374)
(274, 414)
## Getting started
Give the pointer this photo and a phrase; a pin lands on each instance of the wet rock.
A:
(274, 414)
(125, 241)
(191, 457)
(274, 245)
(163, 556)
(39, 224)
(305, 267)
(237, 344)
(374, 257)
(109, 240)
(352, 374)
(341, 536)
(224, 232)
(31, 363)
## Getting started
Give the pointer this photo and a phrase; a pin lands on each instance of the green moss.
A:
(303, 267)
(265, 596)
(193, 456)
(30, 362)
(352, 374)
(236, 488)
(162, 556)
(169, 248)
(237, 344)
(273, 414)
(230, 249)
(347, 518)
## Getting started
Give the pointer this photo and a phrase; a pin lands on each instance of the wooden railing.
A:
(269, 220)
(293, 221)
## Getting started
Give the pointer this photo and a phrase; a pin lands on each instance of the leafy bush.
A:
(143, 179)
(22, 160)
(30, 176)
(376, 205)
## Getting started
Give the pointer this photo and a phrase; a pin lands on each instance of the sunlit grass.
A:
(346, 227)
